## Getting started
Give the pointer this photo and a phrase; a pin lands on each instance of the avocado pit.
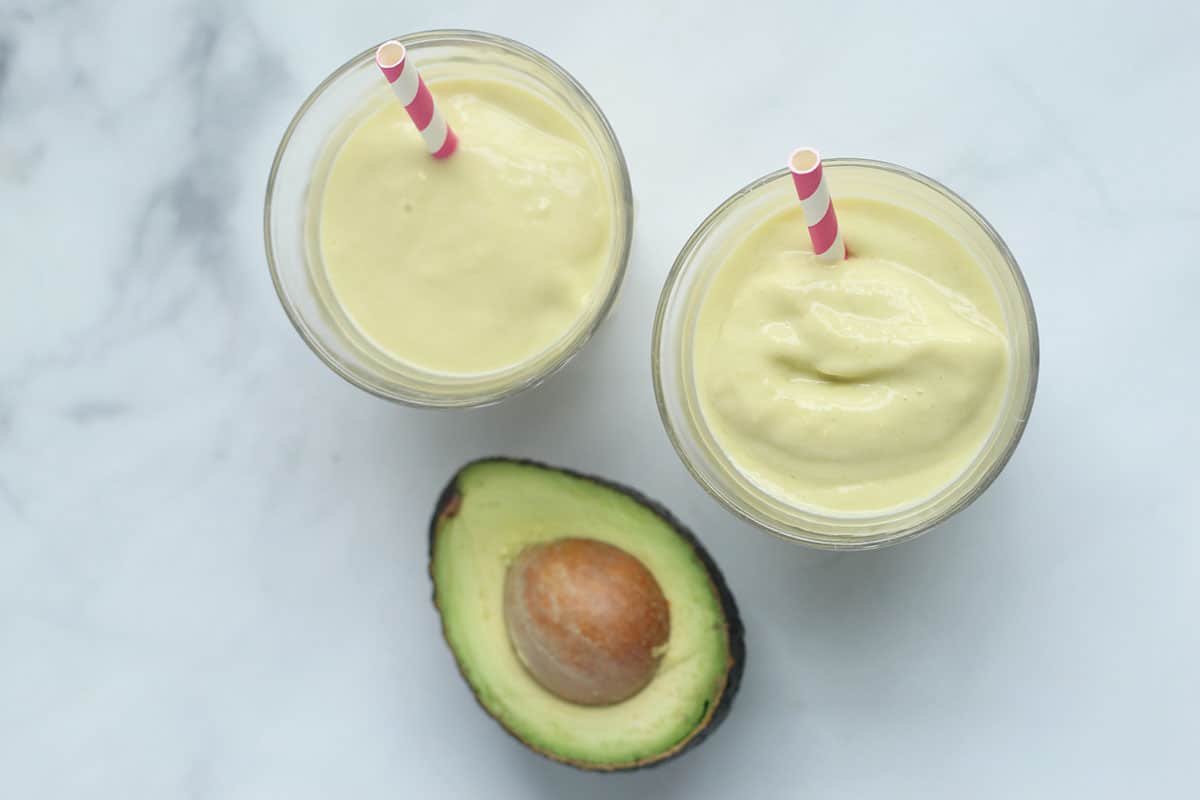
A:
(587, 619)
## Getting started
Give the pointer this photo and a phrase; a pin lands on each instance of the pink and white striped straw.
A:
(827, 243)
(410, 89)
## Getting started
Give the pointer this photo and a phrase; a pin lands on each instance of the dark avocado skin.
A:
(447, 504)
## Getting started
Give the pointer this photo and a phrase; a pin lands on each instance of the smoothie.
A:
(855, 387)
(478, 262)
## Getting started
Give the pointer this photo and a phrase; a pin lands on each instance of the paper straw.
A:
(410, 89)
(809, 178)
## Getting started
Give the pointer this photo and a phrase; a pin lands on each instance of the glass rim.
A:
(796, 533)
(623, 199)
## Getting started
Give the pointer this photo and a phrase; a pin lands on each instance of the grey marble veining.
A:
(212, 553)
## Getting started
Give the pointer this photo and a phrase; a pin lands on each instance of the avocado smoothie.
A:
(847, 403)
(459, 276)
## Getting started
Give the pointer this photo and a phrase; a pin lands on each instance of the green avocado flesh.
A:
(495, 508)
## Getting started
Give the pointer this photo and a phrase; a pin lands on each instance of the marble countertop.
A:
(212, 550)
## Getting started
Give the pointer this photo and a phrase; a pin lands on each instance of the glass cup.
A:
(294, 189)
(675, 386)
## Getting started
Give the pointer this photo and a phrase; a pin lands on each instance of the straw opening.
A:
(390, 54)
(804, 160)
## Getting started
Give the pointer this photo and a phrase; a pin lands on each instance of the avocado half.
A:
(494, 508)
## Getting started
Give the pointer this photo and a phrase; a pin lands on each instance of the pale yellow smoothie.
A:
(855, 387)
(475, 263)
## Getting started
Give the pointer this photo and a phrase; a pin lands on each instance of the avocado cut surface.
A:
(489, 513)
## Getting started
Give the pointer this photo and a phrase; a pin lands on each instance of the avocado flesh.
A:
(494, 509)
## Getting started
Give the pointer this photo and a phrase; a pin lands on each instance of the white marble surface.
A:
(212, 550)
